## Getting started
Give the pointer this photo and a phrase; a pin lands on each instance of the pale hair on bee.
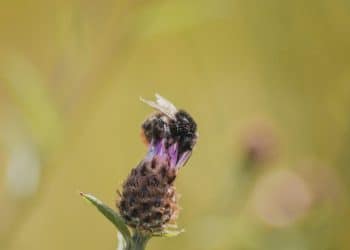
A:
(163, 105)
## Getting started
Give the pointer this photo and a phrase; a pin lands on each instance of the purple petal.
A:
(161, 146)
(150, 154)
(173, 154)
(154, 149)
(162, 151)
(158, 147)
(184, 158)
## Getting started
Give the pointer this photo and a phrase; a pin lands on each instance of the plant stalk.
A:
(138, 242)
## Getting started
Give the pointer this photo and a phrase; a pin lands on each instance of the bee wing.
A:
(163, 105)
(166, 104)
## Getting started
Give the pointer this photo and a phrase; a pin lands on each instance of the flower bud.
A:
(148, 201)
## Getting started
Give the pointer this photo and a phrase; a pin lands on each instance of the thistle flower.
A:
(148, 201)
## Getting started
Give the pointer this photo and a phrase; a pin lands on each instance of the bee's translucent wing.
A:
(166, 104)
(163, 105)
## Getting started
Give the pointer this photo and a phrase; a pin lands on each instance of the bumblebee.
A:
(173, 126)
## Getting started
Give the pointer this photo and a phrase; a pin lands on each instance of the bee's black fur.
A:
(182, 129)
(154, 128)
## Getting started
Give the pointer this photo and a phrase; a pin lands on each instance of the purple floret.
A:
(169, 154)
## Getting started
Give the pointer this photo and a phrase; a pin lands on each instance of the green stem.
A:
(138, 242)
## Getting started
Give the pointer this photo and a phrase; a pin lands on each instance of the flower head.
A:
(148, 201)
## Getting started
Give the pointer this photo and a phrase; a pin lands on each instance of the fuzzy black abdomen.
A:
(183, 130)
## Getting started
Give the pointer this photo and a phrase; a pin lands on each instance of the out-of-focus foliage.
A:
(267, 81)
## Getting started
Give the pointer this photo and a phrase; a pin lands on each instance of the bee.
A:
(175, 127)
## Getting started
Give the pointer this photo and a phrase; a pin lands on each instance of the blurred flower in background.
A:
(259, 143)
(281, 198)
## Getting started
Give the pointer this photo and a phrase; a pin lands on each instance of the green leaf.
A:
(110, 214)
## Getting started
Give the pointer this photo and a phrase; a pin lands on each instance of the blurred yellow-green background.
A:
(267, 82)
